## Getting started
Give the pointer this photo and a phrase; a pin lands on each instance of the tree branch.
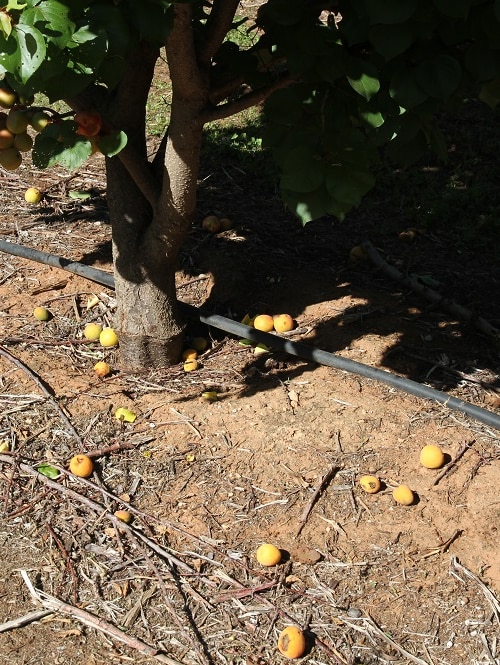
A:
(141, 173)
(217, 26)
(246, 101)
(181, 55)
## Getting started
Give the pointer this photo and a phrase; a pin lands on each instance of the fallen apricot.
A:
(225, 224)
(357, 254)
(292, 642)
(211, 224)
(92, 331)
(123, 516)
(403, 495)
(370, 484)
(189, 354)
(190, 365)
(199, 343)
(108, 338)
(283, 323)
(32, 195)
(268, 554)
(432, 457)
(81, 465)
(263, 322)
(102, 369)
(42, 314)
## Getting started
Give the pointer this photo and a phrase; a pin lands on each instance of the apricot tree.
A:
(338, 81)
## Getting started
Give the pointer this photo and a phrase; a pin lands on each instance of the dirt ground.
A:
(276, 458)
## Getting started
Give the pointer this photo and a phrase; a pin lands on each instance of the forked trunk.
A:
(150, 220)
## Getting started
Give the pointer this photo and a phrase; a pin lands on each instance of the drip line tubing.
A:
(297, 349)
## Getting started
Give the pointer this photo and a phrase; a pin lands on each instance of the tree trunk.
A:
(150, 218)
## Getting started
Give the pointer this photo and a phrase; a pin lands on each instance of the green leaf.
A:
(347, 184)
(111, 144)
(303, 171)
(490, 93)
(439, 76)
(48, 471)
(59, 144)
(390, 12)
(14, 5)
(405, 89)
(52, 19)
(453, 8)
(82, 196)
(5, 24)
(309, 206)
(366, 85)
(389, 41)
(30, 53)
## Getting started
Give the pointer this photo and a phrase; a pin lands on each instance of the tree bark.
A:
(147, 319)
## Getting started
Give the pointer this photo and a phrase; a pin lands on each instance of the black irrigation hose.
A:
(281, 344)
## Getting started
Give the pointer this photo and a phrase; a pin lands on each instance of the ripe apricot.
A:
(292, 642)
(81, 465)
(32, 195)
(225, 224)
(10, 159)
(123, 516)
(190, 365)
(89, 124)
(403, 495)
(108, 338)
(189, 354)
(42, 314)
(268, 554)
(211, 223)
(199, 343)
(263, 322)
(357, 254)
(283, 323)
(102, 369)
(6, 138)
(39, 120)
(370, 484)
(7, 96)
(17, 121)
(92, 331)
(432, 457)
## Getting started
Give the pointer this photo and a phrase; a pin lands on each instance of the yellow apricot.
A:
(108, 337)
(292, 642)
(32, 195)
(432, 457)
(283, 323)
(102, 369)
(403, 495)
(92, 331)
(41, 314)
(268, 554)
(370, 484)
(81, 465)
(263, 322)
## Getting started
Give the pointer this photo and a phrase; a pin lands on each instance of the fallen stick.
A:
(34, 377)
(456, 567)
(432, 296)
(101, 510)
(24, 620)
(321, 486)
(463, 449)
(55, 605)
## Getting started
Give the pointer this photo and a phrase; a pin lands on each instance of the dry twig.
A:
(461, 452)
(18, 363)
(432, 296)
(55, 605)
(321, 486)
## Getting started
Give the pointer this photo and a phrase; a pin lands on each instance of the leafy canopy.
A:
(345, 81)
